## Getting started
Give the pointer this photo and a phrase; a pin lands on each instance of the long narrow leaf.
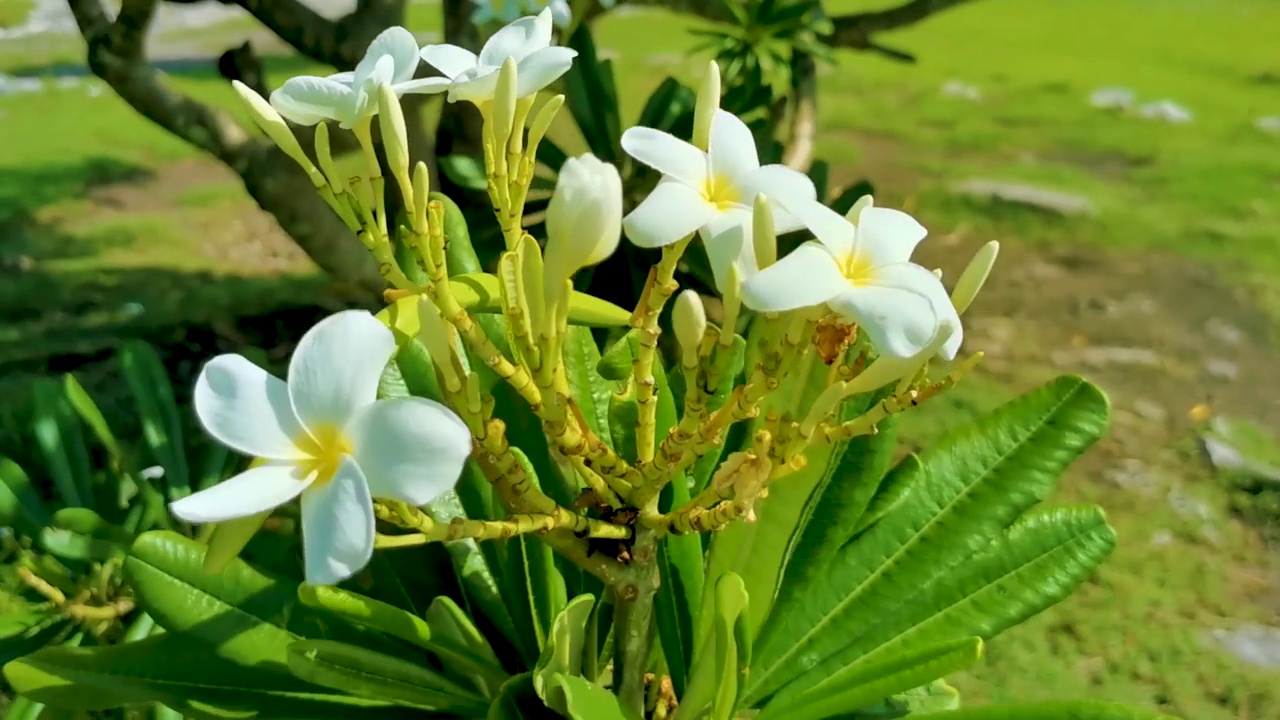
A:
(57, 434)
(158, 412)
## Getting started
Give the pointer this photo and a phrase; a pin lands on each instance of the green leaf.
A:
(23, 708)
(365, 673)
(856, 687)
(20, 506)
(239, 611)
(669, 108)
(465, 171)
(395, 622)
(590, 95)
(517, 700)
(57, 435)
(931, 697)
(733, 645)
(451, 625)
(706, 465)
(578, 699)
(158, 412)
(563, 650)
(459, 254)
(971, 486)
(586, 386)
(1069, 710)
(168, 668)
(70, 545)
(88, 411)
(832, 512)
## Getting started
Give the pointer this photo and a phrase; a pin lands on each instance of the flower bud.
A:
(277, 129)
(436, 335)
(764, 235)
(503, 110)
(974, 276)
(705, 108)
(689, 320)
(395, 139)
(421, 196)
(584, 219)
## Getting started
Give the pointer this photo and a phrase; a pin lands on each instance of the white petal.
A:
(732, 148)
(826, 224)
(806, 276)
(450, 60)
(542, 68)
(900, 309)
(886, 236)
(335, 369)
(667, 154)
(246, 409)
(730, 245)
(396, 43)
(781, 184)
(307, 100)
(422, 86)
(346, 77)
(410, 449)
(337, 526)
(256, 490)
(672, 211)
(476, 85)
(518, 40)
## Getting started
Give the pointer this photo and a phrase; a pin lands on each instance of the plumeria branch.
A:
(340, 43)
(429, 530)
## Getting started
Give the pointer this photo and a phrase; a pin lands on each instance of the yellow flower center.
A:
(719, 191)
(858, 269)
(325, 447)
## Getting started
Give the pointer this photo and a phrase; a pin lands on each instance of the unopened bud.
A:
(974, 276)
(503, 110)
(530, 283)
(277, 129)
(704, 110)
(542, 122)
(888, 369)
(421, 192)
(584, 219)
(689, 320)
(395, 140)
(764, 235)
(325, 157)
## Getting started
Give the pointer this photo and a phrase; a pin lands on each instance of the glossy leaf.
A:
(240, 611)
(366, 673)
(563, 650)
(460, 255)
(586, 386)
(971, 486)
(88, 411)
(451, 626)
(733, 645)
(931, 697)
(61, 444)
(20, 506)
(858, 686)
(577, 699)
(465, 171)
(517, 700)
(158, 413)
(168, 668)
(393, 621)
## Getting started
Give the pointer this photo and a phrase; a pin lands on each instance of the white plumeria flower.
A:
(861, 268)
(474, 77)
(348, 97)
(326, 438)
(711, 192)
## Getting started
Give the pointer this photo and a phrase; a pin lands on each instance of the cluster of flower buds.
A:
(850, 298)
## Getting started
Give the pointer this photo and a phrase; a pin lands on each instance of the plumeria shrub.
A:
(502, 518)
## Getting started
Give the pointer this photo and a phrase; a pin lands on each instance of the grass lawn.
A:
(108, 225)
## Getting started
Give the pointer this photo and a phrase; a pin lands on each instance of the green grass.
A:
(14, 12)
(1204, 191)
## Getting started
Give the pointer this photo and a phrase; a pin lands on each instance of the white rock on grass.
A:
(962, 90)
(1167, 111)
(1112, 98)
(1268, 124)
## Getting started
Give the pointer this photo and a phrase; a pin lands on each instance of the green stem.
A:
(633, 622)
